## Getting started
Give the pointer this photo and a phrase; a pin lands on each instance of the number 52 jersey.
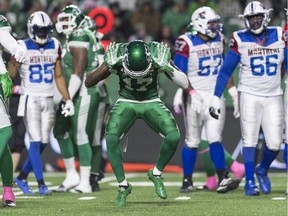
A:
(37, 72)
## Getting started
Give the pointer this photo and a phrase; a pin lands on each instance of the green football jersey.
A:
(145, 88)
(82, 38)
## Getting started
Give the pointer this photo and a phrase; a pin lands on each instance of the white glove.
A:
(163, 55)
(196, 101)
(177, 101)
(68, 108)
(111, 57)
(234, 95)
(214, 108)
(20, 55)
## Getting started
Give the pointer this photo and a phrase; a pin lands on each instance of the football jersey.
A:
(37, 72)
(204, 59)
(141, 89)
(81, 38)
(260, 61)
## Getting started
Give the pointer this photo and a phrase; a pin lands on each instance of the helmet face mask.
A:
(39, 27)
(69, 19)
(256, 17)
(206, 21)
(137, 59)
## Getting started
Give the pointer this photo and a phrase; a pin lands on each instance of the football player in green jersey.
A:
(79, 59)
(137, 65)
(6, 164)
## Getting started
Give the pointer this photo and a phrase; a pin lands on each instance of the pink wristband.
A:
(191, 92)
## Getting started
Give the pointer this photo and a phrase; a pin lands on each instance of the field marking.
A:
(182, 198)
(29, 197)
(279, 198)
(86, 198)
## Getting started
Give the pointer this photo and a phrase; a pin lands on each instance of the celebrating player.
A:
(260, 50)
(39, 72)
(138, 64)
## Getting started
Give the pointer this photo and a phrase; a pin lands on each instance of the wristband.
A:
(233, 91)
(192, 91)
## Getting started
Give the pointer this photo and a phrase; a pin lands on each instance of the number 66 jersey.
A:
(260, 62)
(37, 72)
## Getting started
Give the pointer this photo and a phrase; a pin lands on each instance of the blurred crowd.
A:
(161, 20)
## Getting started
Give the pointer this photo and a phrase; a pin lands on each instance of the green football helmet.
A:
(69, 19)
(137, 59)
(90, 24)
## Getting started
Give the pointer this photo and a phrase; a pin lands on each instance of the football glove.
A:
(6, 84)
(163, 56)
(214, 108)
(234, 95)
(68, 108)
(196, 101)
(177, 101)
(20, 55)
(111, 57)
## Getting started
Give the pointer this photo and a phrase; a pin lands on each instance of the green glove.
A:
(6, 84)
(111, 57)
(161, 56)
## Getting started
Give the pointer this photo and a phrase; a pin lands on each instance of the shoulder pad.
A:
(4, 22)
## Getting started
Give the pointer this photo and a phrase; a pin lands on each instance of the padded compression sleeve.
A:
(226, 72)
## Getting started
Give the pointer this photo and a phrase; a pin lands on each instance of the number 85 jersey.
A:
(37, 72)
(199, 59)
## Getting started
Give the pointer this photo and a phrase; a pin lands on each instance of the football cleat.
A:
(158, 184)
(94, 179)
(8, 198)
(122, 195)
(83, 187)
(251, 189)
(43, 190)
(187, 185)
(263, 179)
(238, 170)
(23, 185)
(228, 184)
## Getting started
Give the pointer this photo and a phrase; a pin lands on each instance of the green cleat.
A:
(158, 183)
(122, 194)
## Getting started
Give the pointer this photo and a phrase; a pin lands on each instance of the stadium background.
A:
(114, 20)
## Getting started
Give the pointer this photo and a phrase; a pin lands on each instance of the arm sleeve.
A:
(286, 59)
(226, 72)
(177, 76)
(12, 46)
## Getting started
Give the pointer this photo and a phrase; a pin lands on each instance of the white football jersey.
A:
(37, 72)
(204, 59)
(260, 61)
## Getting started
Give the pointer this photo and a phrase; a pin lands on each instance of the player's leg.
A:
(250, 115)
(6, 168)
(159, 118)
(61, 131)
(214, 129)
(193, 126)
(94, 129)
(272, 125)
(285, 154)
(121, 118)
(80, 137)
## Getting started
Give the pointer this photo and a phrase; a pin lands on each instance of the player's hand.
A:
(163, 56)
(20, 55)
(177, 101)
(68, 108)
(6, 84)
(111, 57)
(234, 95)
(214, 108)
(196, 101)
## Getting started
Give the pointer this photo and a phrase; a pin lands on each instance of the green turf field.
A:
(143, 200)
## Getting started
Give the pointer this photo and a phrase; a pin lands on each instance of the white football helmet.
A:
(201, 21)
(252, 9)
(39, 27)
(69, 19)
